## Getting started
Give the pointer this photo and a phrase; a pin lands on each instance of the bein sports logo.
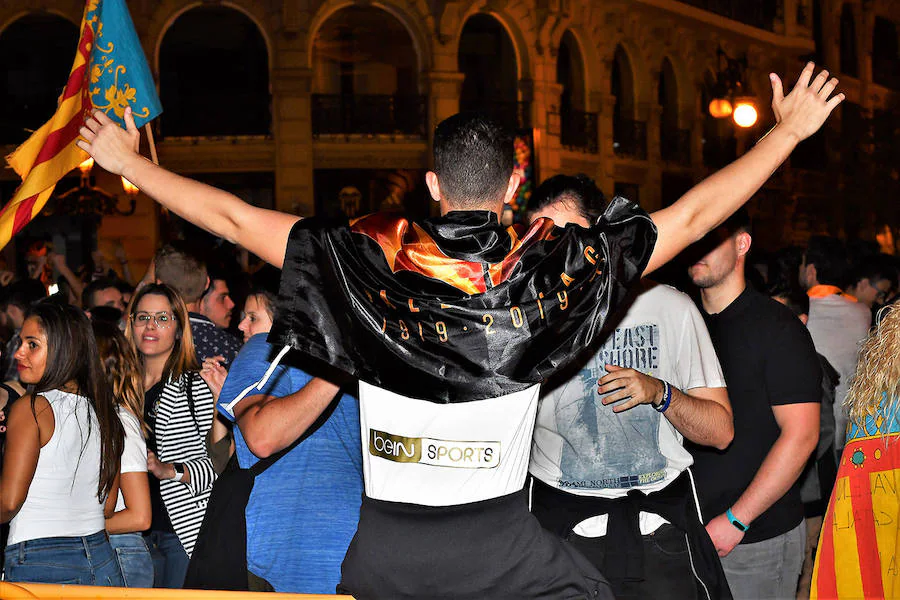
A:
(437, 453)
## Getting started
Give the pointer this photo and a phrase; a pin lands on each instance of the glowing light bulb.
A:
(745, 115)
(129, 187)
(720, 108)
(86, 166)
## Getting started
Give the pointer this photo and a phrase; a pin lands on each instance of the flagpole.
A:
(153, 156)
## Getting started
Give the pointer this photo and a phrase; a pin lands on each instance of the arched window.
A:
(674, 142)
(487, 58)
(366, 75)
(214, 75)
(629, 134)
(885, 54)
(578, 128)
(849, 58)
(36, 55)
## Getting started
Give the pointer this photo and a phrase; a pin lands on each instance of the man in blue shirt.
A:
(304, 509)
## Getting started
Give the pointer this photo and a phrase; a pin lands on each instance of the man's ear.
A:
(434, 187)
(744, 241)
(804, 319)
(512, 186)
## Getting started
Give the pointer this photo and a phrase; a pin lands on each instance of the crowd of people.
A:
(448, 407)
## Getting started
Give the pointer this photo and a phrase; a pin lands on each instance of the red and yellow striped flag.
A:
(857, 554)
(50, 152)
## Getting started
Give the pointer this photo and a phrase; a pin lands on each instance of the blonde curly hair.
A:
(876, 385)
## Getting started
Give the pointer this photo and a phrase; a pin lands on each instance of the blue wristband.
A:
(735, 521)
(667, 397)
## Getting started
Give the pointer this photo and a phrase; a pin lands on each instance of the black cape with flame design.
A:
(455, 308)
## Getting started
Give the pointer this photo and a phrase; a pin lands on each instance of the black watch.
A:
(179, 471)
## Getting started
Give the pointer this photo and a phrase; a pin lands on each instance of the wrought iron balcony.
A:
(512, 115)
(578, 131)
(369, 114)
(630, 139)
(756, 13)
(675, 145)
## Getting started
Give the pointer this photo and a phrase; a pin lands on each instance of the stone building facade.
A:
(324, 93)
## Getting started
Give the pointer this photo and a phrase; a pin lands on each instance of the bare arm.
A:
(702, 416)
(26, 435)
(782, 466)
(137, 514)
(270, 423)
(708, 204)
(263, 232)
(59, 261)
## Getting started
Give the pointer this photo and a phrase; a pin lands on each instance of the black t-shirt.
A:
(768, 359)
(160, 517)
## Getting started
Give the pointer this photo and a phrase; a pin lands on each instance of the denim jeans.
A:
(767, 570)
(170, 561)
(85, 560)
(134, 559)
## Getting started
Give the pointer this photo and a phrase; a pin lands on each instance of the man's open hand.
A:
(110, 145)
(804, 110)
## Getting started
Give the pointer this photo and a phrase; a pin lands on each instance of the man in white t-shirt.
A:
(604, 464)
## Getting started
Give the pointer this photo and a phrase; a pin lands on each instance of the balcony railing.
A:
(578, 131)
(368, 114)
(630, 139)
(675, 145)
(756, 13)
(512, 115)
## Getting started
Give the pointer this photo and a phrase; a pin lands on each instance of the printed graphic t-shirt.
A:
(582, 447)
(304, 509)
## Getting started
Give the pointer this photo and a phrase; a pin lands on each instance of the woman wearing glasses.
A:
(178, 409)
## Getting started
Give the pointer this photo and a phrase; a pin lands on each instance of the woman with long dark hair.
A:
(133, 512)
(178, 408)
(61, 467)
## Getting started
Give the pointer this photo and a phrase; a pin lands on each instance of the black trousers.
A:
(482, 550)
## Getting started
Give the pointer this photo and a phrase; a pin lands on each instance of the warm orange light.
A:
(86, 166)
(129, 187)
(745, 114)
(720, 108)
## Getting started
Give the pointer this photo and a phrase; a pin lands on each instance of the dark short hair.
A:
(473, 159)
(829, 257)
(739, 222)
(87, 296)
(795, 299)
(580, 189)
(181, 267)
(24, 293)
(874, 268)
(264, 284)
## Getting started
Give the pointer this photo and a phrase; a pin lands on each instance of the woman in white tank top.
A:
(61, 466)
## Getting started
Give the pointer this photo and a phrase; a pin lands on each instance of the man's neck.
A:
(720, 296)
(193, 307)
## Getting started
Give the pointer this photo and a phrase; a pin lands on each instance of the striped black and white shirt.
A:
(181, 437)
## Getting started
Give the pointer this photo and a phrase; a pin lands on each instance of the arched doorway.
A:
(36, 55)
(366, 75)
(578, 128)
(214, 75)
(487, 58)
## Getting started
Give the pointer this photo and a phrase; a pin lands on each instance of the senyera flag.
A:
(857, 554)
(109, 73)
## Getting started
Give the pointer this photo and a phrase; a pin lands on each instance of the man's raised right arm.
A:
(263, 232)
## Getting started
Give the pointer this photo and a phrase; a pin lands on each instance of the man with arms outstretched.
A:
(451, 324)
